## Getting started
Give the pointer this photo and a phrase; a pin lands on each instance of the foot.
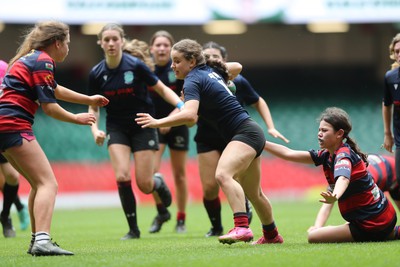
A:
(249, 210)
(237, 234)
(49, 249)
(262, 240)
(29, 251)
(214, 232)
(8, 229)
(24, 220)
(163, 190)
(131, 235)
(180, 227)
(158, 221)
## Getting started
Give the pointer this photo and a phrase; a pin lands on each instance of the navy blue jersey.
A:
(391, 96)
(28, 82)
(363, 203)
(125, 87)
(218, 106)
(167, 76)
(245, 93)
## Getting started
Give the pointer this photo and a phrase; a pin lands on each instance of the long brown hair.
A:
(339, 119)
(42, 35)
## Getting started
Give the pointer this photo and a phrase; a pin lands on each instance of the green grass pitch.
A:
(93, 235)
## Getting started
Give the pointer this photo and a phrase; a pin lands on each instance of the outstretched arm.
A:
(187, 116)
(65, 94)
(263, 109)
(287, 153)
(168, 95)
(56, 111)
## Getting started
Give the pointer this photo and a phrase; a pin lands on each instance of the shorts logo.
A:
(152, 143)
(128, 77)
(179, 141)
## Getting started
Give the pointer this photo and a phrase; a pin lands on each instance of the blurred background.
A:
(300, 55)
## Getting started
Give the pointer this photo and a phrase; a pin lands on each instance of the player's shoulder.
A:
(98, 68)
(393, 73)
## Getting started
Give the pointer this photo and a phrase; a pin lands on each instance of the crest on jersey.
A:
(395, 86)
(105, 77)
(48, 66)
(128, 77)
(171, 77)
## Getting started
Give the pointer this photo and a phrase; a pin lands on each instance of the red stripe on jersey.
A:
(358, 200)
(380, 221)
(358, 171)
(43, 77)
(13, 124)
(11, 96)
(21, 72)
(375, 175)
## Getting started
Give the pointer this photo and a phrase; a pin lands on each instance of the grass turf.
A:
(93, 235)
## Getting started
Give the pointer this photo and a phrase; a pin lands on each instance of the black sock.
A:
(18, 204)
(213, 208)
(161, 209)
(128, 202)
(270, 231)
(9, 192)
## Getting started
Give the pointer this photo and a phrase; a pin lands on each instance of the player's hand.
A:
(328, 197)
(85, 118)
(99, 100)
(146, 120)
(99, 137)
(275, 133)
(388, 143)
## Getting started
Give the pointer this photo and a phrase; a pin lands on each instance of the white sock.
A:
(42, 237)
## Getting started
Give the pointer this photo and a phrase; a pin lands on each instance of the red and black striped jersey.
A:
(28, 82)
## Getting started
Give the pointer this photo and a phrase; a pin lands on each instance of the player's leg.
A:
(235, 159)
(251, 183)
(331, 234)
(207, 163)
(10, 190)
(30, 160)
(120, 156)
(178, 163)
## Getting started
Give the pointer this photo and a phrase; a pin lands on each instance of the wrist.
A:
(180, 105)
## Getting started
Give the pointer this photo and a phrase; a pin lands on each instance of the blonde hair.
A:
(139, 49)
(42, 35)
(392, 55)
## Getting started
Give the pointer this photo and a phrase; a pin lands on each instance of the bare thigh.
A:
(31, 161)
(144, 167)
(120, 156)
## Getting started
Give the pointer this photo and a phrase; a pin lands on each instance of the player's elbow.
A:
(192, 121)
